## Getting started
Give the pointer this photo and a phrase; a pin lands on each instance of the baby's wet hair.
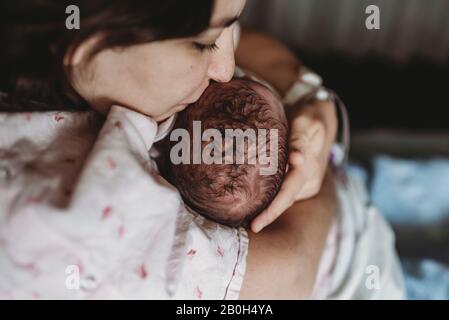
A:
(231, 194)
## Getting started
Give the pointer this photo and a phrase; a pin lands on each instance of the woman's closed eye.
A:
(202, 47)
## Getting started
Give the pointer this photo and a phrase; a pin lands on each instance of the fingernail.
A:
(259, 227)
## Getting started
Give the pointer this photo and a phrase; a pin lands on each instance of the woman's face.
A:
(162, 77)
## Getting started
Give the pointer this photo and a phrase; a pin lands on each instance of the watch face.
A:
(311, 78)
(298, 91)
(322, 94)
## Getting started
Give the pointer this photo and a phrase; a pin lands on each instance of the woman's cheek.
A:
(200, 70)
(200, 63)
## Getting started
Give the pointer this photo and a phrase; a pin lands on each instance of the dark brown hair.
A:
(231, 194)
(35, 40)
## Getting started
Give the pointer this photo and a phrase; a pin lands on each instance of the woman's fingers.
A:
(302, 181)
(310, 140)
(292, 184)
(309, 145)
(313, 173)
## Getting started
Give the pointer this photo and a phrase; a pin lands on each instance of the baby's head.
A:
(213, 182)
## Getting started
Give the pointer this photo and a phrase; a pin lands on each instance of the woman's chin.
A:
(168, 114)
(179, 108)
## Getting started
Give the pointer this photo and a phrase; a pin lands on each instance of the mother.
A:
(156, 57)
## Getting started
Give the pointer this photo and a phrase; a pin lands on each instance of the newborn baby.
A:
(212, 178)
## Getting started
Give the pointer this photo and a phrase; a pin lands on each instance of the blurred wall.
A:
(408, 28)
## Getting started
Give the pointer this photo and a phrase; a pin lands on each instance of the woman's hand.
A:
(313, 128)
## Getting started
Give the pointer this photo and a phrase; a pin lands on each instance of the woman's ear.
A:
(81, 52)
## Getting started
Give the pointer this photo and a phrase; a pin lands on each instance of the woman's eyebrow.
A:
(225, 22)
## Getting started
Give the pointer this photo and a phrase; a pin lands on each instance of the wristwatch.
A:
(308, 84)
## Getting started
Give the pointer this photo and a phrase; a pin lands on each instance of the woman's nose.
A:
(221, 68)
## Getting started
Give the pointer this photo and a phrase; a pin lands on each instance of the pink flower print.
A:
(58, 117)
(111, 163)
(80, 265)
(191, 253)
(121, 231)
(34, 199)
(118, 124)
(38, 198)
(30, 267)
(28, 116)
(198, 293)
(106, 212)
(142, 271)
(220, 251)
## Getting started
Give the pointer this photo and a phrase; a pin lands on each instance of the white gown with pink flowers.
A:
(84, 215)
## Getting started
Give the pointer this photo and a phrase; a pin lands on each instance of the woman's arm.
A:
(268, 58)
(313, 126)
(283, 260)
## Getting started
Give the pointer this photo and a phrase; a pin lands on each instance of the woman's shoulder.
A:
(43, 146)
(44, 127)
